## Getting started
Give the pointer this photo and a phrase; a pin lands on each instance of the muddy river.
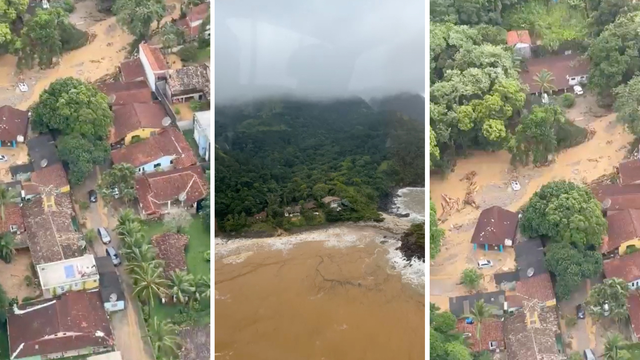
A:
(340, 293)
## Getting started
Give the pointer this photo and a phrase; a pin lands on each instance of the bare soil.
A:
(12, 276)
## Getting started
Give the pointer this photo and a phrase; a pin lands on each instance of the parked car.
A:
(578, 90)
(483, 264)
(104, 235)
(93, 196)
(113, 254)
(515, 185)
(3, 158)
(589, 355)
(580, 313)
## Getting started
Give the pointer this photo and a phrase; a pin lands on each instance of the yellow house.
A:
(68, 275)
(623, 232)
(137, 121)
(536, 289)
(51, 176)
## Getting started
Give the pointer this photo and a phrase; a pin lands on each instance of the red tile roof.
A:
(538, 288)
(127, 92)
(132, 70)
(168, 142)
(629, 171)
(518, 36)
(132, 117)
(12, 216)
(154, 57)
(198, 13)
(77, 320)
(494, 225)
(491, 330)
(633, 303)
(623, 226)
(626, 267)
(171, 250)
(189, 30)
(560, 66)
(52, 175)
(13, 122)
(156, 189)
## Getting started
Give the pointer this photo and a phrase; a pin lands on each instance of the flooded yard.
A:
(12, 276)
(582, 163)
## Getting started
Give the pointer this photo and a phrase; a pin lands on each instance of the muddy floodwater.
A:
(411, 201)
(304, 298)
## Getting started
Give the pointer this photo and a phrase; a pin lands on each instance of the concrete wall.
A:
(79, 286)
(165, 164)
(151, 78)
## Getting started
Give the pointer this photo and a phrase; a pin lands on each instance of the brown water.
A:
(314, 301)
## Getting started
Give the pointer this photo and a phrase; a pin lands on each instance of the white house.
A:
(626, 268)
(154, 64)
(201, 128)
(68, 275)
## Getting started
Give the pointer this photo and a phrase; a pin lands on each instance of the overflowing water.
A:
(410, 201)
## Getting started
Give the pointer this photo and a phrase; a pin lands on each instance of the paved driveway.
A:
(584, 334)
(128, 325)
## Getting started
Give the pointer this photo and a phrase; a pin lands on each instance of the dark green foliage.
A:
(67, 5)
(203, 38)
(571, 266)
(136, 16)
(565, 212)
(569, 135)
(413, 242)
(627, 105)
(436, 234)
(444, 342)
(188, 53)
(4, 304)
(274, 154)
(605, 12)
(567, 100)
(82, 155)
(535, 137)
(468, 12)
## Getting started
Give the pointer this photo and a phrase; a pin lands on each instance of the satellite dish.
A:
(530, 272)
(182, 196)
(113, 297)
(20, 138)
(112, 98)
(606, 203)
(166, 121)
(43, 162)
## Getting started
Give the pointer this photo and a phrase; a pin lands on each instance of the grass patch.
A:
(203, 55)
(188, 134)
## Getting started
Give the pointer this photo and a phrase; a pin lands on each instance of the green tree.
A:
(182, 286)
(565, 212)
(120, 177)
(144, 253)
(471, 278)
(7, 250)
(136, 16)
(443, 337)
(614, 348)
(571, 266)
(627, 105)
(606, 12)
(613, 292)
(149, 283)
(171, 35)
(127, 217)
(82, 155)
(436, 234)
(479, 314)
(544, 79)
(535, 137)
(164, 338)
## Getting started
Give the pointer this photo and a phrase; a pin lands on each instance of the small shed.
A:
(521, 42)
(111, 290)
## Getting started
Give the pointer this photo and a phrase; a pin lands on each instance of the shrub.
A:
(630, 250)
(176, 110)
(570, 321)
(28, 298)
(569, 135)
(188, 53)
(207, 255)
(195, 105)
(567, 100)
(28, 280)
(471, 278)
(84, 205)
(66, 5)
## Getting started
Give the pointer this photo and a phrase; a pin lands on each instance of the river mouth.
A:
(317, 300)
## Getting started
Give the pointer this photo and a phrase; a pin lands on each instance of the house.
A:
(154, 64)
(111, 291)
(633, 306)
(134, 122)
(21, 172)
(615, 197)
(132, 70)
(14, 124)
(292, 211)
(107, 356)
(192, 23)
(538, 288)
(496, 228)
(626, 268)
(70, 325)
(310, 205)
(13, 223)
(260, 217)
(159, 192)
(52, 229)
(188, 83)
(623, 231)
(42, 151)
(462, 305)
(201, 130)
(29, 191)
(51, 176)
(123, 93)
(491, 335)
(567, 70)
(167, 150)
(332, 202)
(171, 250)
(531, 334)
(629, 172)
(74, 274)
(520, 41)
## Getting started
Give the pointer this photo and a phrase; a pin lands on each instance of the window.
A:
(157, 166)
(493, 345)
(13, 228)
(171, 162)
(572, 79)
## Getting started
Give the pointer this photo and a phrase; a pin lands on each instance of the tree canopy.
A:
(535, 137)
(444, 342)
(136, 16)
(627, 105)
(436, 234)
(571, 266)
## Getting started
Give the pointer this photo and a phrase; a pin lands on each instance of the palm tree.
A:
(183, 285)
(134, 241)
(613, 348)
(544, 80)
(7, 195)
(149, 282)
(164, 338)
(203, 287)
(143, 254)
(128, 222)
(479, 314)
(6, 247)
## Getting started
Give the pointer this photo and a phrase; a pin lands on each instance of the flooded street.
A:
(582, 163)
(340, 293)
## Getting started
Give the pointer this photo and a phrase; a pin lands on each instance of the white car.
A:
(23, 87)
(3, 158)
(578, 90)
(483, 264)
(515, 185)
